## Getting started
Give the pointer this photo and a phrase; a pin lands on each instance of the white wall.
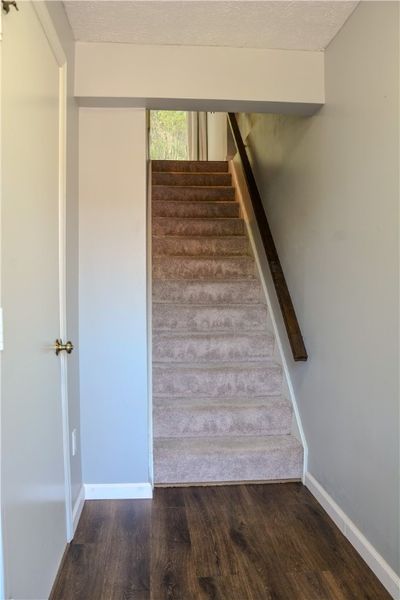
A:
(112, 292)
(64, 32)
(199, 77)
(217, 135)
(330, 184)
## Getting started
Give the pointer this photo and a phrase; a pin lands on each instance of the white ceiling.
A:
(299, 25)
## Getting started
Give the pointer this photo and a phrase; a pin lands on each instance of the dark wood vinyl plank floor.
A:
(244, 542)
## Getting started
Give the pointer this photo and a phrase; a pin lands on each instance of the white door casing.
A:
(36, 494)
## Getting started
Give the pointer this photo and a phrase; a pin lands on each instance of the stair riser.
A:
(190, 166)
(207, 292)
(207, 268)
(257, 466)
(235, 246)
(188, 421)
(207, 179)
(209, 319)
(211, 348)
(217, 383)
(197, 194)
(182, 209)
(216, 227)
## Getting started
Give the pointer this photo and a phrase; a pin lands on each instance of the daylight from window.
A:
(168, 135)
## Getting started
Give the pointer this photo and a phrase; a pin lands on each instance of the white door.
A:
(33, 467)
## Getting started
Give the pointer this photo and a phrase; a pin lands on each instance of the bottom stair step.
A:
(227, 459)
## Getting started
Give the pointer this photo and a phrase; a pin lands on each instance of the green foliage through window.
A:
(168, 135)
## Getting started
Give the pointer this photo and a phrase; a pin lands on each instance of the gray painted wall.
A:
(113, 295)
(330, 187)
(57, 13)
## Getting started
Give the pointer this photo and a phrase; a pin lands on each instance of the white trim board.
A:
(117, 491)
(149, 306)
(389, 579)
(78, 507)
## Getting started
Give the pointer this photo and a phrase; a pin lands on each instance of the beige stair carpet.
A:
(218, 410)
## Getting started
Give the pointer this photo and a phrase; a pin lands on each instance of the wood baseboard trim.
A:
(389, 579)
(117, 491)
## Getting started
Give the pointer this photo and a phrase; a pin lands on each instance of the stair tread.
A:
(240, 236)
(207, 304)
(185, 178)
(205, 267)
(205, 346)
(193, 192)
(213, 303)
(213, 202)
(216, 305)
(196, 219)
(192, 172)
(205, 257)
(197, 246)
(233, 365)
(214, 283)
(190, 166)
(206, 317)
(194, 187)
(239, 402)
(195, 202)
(204, 202)
(233, 332)
(198, 226)
(234, 444)
(214, 334)
(184, 209)
(210, 201)
(216, 379)
(174, 317)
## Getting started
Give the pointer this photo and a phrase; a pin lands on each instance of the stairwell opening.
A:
(220, 413)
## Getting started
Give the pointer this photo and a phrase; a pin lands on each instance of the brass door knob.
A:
(59, 346)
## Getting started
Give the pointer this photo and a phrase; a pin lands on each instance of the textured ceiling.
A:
(299, 25)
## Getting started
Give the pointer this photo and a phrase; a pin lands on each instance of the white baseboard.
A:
(117, 491)
(78, 507)
(389, 579)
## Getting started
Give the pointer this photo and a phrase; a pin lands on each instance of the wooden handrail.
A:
(285, 301)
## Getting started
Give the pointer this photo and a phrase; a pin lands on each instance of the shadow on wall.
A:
(272, 128)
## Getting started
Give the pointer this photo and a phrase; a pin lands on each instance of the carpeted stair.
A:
(218, 410)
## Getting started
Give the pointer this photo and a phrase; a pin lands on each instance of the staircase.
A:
(218, 410)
